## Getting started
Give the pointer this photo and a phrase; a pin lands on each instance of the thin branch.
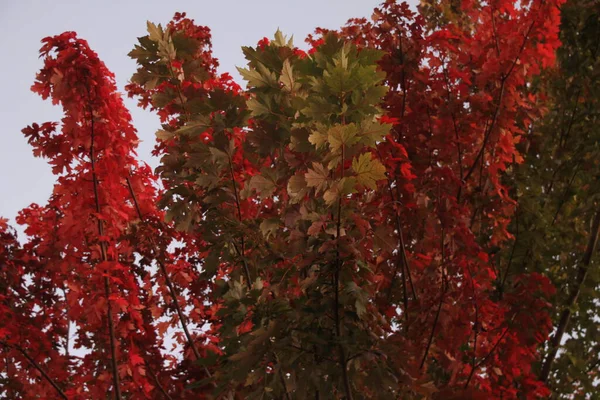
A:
(488, 355)
(452, 113)
(512, 253)
(572, 300)
(495, 33)
(170, 286)
(241, 252)
(281, 377)
(39, 368)
(443, 290)
(491, 126)
(111, 328)
(336, 282)
(565, 195)
(475, 329)
(158, 384)
(402, 260)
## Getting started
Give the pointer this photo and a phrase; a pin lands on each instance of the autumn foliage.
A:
(342, 228)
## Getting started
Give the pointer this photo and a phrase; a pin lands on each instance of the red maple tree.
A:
(332, 231)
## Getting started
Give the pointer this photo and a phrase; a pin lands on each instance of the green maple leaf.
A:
(368, 170)
(317, 177)
(317, 137)
(257, 108)
(331, 195)
(296, 186)
(259, 77)
(155, 33)
(269, 227)
(340, 136)
(263, 186)
(287, 77)
(373, 132)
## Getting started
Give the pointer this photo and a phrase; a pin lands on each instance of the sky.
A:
(111, 28)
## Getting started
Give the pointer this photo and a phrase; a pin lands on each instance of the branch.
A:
(37, 366)
(111, 328)
(241, 252)
(170, 286)
(281, 377)
(158, 384)
(402, 260)
(449, 99)
(487, 134)
(572, 300)
(475, 329)
(512, 253)
(336, 283)
(488, 355)
(444, 288)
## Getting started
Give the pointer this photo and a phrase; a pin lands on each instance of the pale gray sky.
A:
(111, 28)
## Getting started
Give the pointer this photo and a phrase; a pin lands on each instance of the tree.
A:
(556, 226)
(344, 227)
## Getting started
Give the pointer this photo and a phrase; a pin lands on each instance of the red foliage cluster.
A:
(97, 268)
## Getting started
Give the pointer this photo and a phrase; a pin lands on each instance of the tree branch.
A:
(111, 328)
(443, 289)
(170, 286)
(572, 300)
(39, 368)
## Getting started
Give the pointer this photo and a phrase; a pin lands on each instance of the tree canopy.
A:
(406, 210)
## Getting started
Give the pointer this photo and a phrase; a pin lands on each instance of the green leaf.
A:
(332, 194)
(368, 170)
(280, 40)
(259, 77)
(340, 136)
(195, 127)
(287, 77)
(269, 227)
(347, 185)
(317, 177)
(317, 137)
(256, 107)
(164, 135)
(296, 186)
(155, 33)
(263, 186)
(219, 156)
(372, 132)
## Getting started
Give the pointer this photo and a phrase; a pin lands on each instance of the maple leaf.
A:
(368, 170)
(287, 77)
(317, 177)
(263, 186)
(340, 136)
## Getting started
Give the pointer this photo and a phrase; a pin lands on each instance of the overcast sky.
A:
(111, 28)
